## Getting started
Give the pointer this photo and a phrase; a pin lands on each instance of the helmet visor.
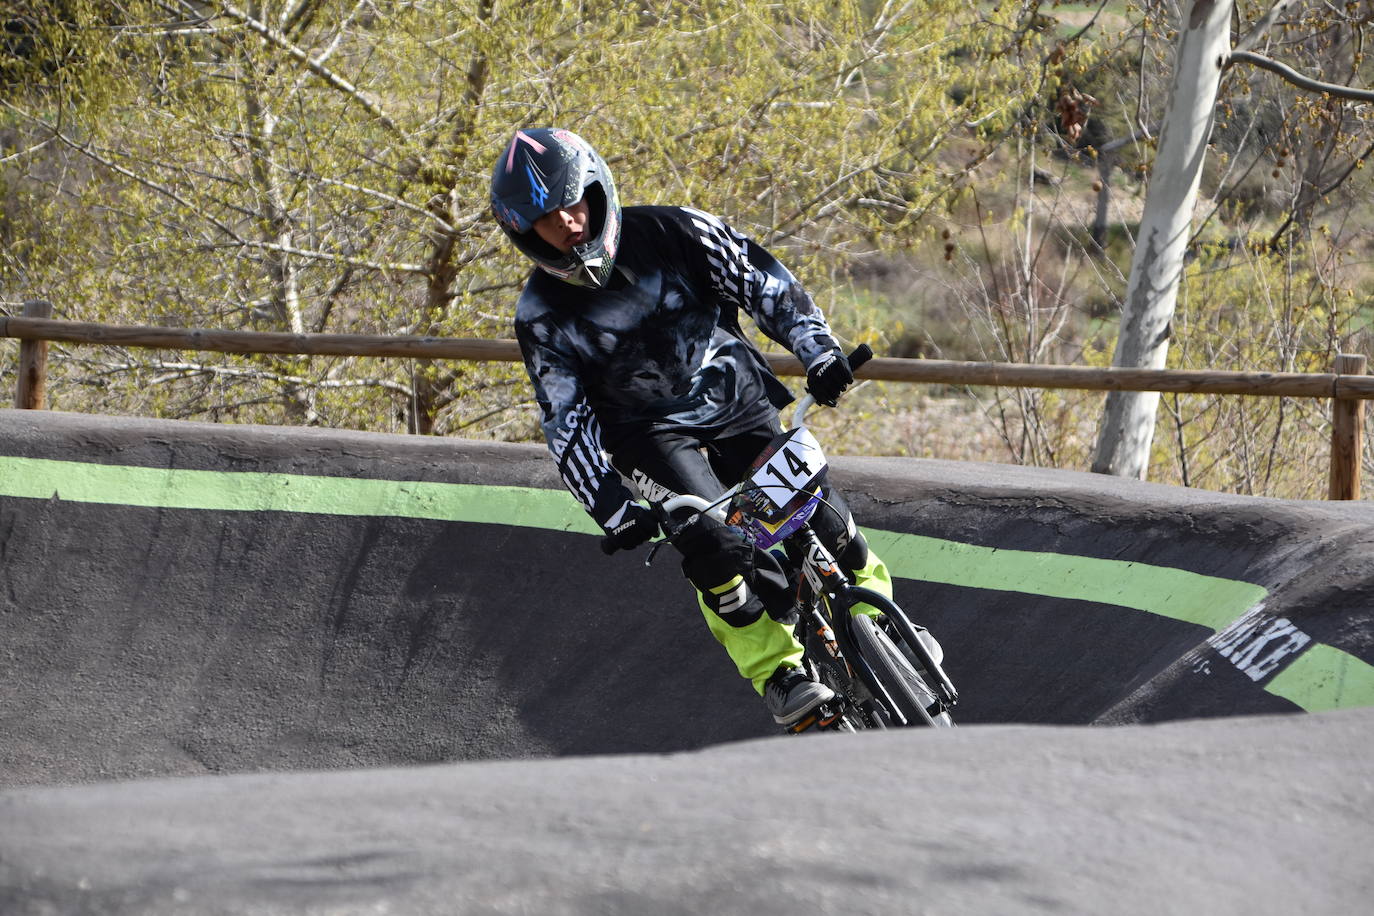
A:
(536, 183)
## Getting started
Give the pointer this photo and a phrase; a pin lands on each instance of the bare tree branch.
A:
(26, 152)
(394, 266)
(88, 150)
(1355, 163)
(275, 37)
(466, 223)
(174, 371)
(1266, 22)
(1297, 79)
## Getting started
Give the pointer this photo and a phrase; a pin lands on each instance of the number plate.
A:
(795, 465)
(783, 482)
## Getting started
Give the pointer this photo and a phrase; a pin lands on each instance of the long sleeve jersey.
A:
(660, 347)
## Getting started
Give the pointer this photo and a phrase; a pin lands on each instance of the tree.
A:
(321, 165)
(1203, 53)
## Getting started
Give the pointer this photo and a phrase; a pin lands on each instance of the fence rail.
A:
(1347, 387)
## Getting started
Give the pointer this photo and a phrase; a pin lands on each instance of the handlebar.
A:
(665, 510)
(692, 501)
(861, 354)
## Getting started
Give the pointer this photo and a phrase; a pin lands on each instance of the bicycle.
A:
(885, 672)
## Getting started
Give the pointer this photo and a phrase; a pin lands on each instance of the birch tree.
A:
(1203, 52)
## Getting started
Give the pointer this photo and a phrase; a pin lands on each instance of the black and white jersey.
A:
(660, 347)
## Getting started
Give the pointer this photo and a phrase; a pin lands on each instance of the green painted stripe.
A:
(1325, 678)
(1321, 678)
(1176, 593)
(169, 488)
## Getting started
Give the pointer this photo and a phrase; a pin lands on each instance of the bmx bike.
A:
(884, 669)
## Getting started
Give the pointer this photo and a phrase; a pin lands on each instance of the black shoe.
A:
(790, 694)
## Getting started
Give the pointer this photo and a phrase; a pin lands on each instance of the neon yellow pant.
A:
(760, 647)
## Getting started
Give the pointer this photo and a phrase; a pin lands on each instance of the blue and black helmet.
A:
(541, 170)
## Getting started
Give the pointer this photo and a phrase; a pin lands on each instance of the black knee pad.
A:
(704, 536)
(834, 525)
(714, 554)
(712, 570)
(738, 605)
(854, 556)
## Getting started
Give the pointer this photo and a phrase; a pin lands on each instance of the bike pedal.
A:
(823, 718)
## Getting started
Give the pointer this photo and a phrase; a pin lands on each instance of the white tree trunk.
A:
(1128, 422)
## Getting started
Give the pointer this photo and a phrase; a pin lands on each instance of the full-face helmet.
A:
(546, 168)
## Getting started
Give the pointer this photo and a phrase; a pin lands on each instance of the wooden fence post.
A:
(33, 362)
(1347, 433)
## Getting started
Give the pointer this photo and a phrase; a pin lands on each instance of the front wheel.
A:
(910, 693)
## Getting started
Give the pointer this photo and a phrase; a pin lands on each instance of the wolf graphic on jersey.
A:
(660, 346)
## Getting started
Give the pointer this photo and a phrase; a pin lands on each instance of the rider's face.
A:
(565, 227)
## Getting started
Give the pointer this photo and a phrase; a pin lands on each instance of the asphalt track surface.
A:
(252, 670)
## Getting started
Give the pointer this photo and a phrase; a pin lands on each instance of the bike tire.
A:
(908, 690)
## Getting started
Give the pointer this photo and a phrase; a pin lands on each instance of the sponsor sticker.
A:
(1258, 643)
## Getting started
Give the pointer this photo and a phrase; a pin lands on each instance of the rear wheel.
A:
(909, 692)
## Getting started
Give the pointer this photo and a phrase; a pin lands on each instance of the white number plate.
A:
(794, 467)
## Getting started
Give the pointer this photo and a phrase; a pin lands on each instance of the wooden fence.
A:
(1347, 386)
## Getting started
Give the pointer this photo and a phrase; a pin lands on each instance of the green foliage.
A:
(323, 166)
(1246, 310)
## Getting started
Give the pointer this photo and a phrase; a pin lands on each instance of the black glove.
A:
(636, 526)
(827, 379)
(705, 535)
(714, 553)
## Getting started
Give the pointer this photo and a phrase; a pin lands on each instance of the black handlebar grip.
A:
(862, 354)
(608, 546)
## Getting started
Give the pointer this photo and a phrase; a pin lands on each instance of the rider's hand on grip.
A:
(862, 354)
(828, 378)
(703, 535)
(636, 526)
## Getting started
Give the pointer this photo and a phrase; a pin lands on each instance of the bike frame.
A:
(825, 603)
(824, 599)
